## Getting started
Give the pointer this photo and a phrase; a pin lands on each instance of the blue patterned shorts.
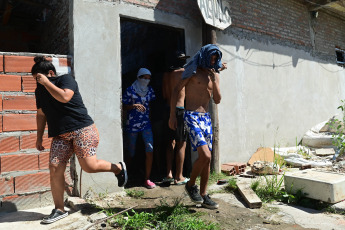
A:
(199, 127)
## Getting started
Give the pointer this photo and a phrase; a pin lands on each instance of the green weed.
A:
(134, 193)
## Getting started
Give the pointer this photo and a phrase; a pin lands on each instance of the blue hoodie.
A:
(202, 59)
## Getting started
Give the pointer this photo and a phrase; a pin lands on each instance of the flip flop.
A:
(183, 182)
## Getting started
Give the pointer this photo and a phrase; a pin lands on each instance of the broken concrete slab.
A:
(324, 152)
(319, 185)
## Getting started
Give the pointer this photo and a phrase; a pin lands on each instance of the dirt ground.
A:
(232, 212)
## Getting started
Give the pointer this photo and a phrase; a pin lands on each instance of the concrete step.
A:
(319, 185)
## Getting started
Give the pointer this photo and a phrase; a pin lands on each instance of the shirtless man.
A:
(176, 138)
(201, 81)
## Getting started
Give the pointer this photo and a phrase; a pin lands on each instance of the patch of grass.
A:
(232, 185)
(164, 217)
(135, 193)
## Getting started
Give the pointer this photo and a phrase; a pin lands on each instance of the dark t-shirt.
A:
(62, 117)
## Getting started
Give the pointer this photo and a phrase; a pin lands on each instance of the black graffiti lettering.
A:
(226, 13)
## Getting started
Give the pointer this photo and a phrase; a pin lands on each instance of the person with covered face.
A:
(136, 101)
(60, 105)
(201, 82)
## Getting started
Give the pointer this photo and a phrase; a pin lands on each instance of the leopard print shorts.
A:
(83, 142)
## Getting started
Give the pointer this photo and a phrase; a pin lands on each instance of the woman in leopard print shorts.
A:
(60, 105)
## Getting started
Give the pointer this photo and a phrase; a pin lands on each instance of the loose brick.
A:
(26, 102)
(239, 167)
(32, 182)
(9, 144)
(43, 158)
(29, 141)
(19, 162)
(228, 170)
(6, 185)
(18, 64)
(19, 122)
(28, 84)
(1, 63)
(10, 83)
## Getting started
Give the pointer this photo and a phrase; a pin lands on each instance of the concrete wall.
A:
(282, 77)
(97, 66)
(272, 94)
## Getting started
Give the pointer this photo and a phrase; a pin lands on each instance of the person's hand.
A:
(41, 78)
(212, 74)
(39, 145)
(173, 123)
(224, 66)
(139, 107)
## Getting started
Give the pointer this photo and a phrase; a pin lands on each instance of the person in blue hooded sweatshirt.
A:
(201, 81)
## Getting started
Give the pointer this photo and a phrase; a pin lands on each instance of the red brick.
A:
(0, 123)
(62, 61)
(16, 202)
(6, 186)
(18, 64)
(28, 84)
(228, 170)
(19, 162)
(0, 102)
(1, 63)
(9, 144)
(25, 102)
(29, 141)
(43, 158)
(19, 122)
(239, 167)
(10, 83)
(32, 182)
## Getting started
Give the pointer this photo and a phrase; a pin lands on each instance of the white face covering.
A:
(144, 82)
(141, 86)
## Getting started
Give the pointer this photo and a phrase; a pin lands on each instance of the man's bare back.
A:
(170, 80)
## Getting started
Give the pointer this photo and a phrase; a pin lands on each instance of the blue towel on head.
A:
(202, 59)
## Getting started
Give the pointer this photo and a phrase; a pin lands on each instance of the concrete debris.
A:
(97, 216)
(265, 168)
(324, 152)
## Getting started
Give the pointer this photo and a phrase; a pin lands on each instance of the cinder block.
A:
(32, 182)
(21, 64)
(9, 144)
(19, 122)
(25, 102)
(19, 162)
(29, 84)
(319, 185)
(10, 83)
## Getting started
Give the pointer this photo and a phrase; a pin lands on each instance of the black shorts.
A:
(180, 133)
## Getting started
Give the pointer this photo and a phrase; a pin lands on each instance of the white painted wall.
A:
(97, 66)
(262, 105)
(272, 94)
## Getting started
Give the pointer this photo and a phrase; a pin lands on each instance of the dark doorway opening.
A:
(151, 46)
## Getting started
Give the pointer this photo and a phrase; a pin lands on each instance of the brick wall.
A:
(284, 22)
(24, 171)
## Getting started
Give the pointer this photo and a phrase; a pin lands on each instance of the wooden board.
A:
(249, 195)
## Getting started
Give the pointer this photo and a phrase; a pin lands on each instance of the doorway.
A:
(151, 46)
